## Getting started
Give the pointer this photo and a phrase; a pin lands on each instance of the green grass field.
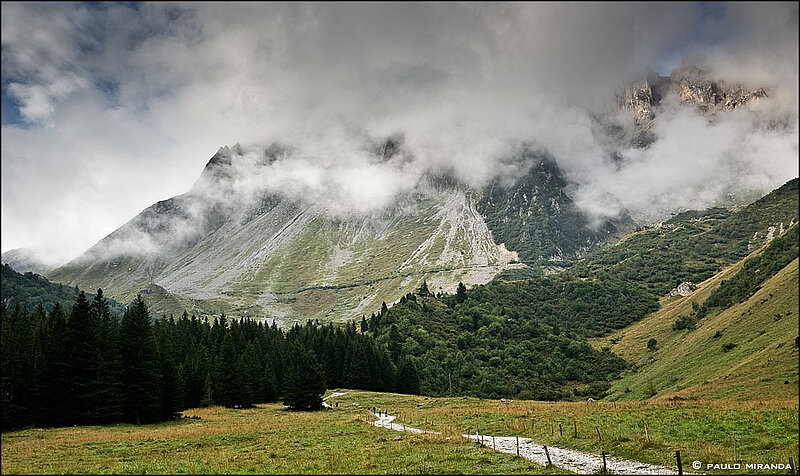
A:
(766, 431)
(271, 440)
(264, 440)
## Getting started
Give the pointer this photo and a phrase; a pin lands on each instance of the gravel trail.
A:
(571, 460)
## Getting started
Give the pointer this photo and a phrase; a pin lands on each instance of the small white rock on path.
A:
(571, 460)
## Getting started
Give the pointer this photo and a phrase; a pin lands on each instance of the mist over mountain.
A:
(23, 260)
(283, 231)
(106, 94)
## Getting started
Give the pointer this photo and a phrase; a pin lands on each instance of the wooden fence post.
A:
(547, 453)
(598, 432)
(493, 446)
(678, 457)
(518, 446)
(735, 459)
(792, 466)
(575, 426)
(605, 469)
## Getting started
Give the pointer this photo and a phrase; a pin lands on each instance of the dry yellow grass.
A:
(264, 440)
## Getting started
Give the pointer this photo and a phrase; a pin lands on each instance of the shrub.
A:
(652, 344)
(728, 346)
(684, 322)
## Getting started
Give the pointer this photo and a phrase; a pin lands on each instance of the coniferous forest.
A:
(86, 366)
(523, 339)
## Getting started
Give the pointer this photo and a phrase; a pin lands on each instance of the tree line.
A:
(86, 366)
(520, 339)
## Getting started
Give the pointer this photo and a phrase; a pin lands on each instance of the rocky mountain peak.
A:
(644, 98)
(694, 87)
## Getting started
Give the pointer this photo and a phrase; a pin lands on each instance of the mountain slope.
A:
(23, 260)
(693, 246)
(264, 254)
(538, 220)
(32, 289)
(746, 350)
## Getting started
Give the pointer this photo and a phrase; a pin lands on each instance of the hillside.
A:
(220, 247)
(537, 219)
(32, 289)
(694, 245)
(743, 350)
(523, 339)
(295, 262)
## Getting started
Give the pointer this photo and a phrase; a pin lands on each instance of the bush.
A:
(728, 346)
(684, 322)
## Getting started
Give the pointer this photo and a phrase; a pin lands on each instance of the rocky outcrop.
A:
(684, 289)
(642, 96)
(693, 87)
(644, 99)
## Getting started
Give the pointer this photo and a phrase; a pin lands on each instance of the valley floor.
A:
(271, 440)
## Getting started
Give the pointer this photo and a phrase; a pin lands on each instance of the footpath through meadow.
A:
(571, 460)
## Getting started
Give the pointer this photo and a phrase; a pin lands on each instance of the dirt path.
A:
(571, 460)
(334, 394)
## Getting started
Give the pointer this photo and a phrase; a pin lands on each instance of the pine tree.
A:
(386, 372)
(207, 399)
(408, 377)
(304, 379)
(82, 366)
(38, 361)
(423, 290)
(230, 380)
(269, 382)
(357, 373)
(171, 392)
(107, 393)
(461, 293)
(395, 346)
(17, 371)
(254, 373)
(140, 377)
(54, 373)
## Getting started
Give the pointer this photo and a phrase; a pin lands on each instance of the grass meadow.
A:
(268, 439)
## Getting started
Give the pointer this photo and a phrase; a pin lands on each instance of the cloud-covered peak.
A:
(123, 103)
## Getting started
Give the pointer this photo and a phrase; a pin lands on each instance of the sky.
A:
(109, 108)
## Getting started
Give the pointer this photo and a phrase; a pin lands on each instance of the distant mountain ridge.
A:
(30, 290)
(289, 259)
(231, 245)
(24, 260)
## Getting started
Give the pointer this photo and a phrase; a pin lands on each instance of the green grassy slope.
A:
(746, 351)
(267, 439)
(693, 246)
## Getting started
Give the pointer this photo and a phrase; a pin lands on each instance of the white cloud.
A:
(126, 103)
